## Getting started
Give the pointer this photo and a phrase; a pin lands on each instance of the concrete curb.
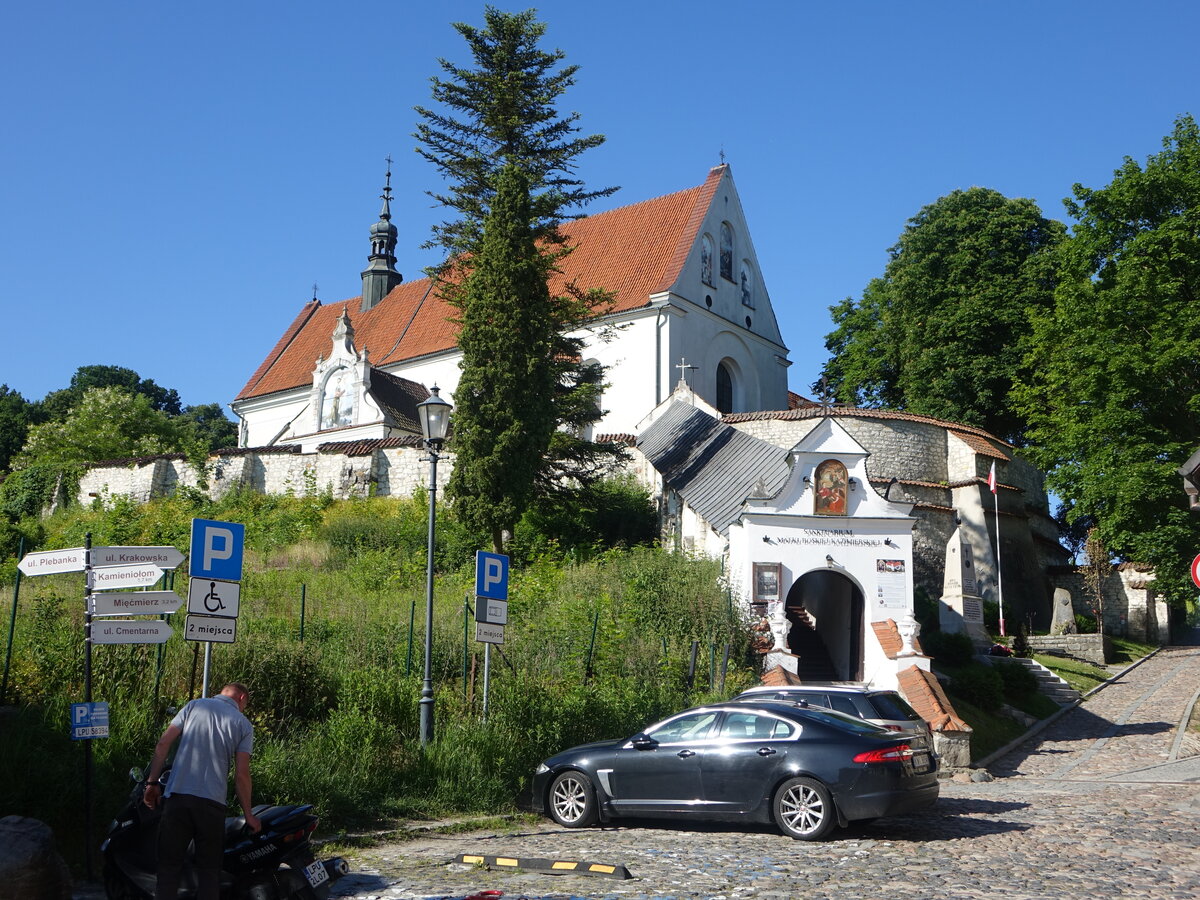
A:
(1054, 717)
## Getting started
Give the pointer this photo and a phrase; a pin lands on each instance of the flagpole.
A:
(999, 580)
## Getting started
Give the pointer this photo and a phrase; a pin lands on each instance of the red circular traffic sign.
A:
(1196, 570)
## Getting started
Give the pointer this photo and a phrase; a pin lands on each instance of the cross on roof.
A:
(825, 394)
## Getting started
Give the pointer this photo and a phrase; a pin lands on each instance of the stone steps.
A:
(1048, 683)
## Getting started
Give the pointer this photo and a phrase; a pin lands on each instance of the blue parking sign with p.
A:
(491, 575)
(216, 550)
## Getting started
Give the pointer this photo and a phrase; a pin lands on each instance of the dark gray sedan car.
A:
(807, 770)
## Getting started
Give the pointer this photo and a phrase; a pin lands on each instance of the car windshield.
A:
(689, 727)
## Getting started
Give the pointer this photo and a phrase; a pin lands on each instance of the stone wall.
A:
(1132, 608)
(394, 468)
(1095, 648)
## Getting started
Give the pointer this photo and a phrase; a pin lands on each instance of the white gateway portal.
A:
(828, 562)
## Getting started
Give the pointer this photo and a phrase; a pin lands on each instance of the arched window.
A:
(724, 388)
(706, 259)
(726, 251)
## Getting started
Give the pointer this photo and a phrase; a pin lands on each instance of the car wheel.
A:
(572, 800)
(804, 810)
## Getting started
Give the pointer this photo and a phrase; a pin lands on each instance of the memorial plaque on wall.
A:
(890, 584)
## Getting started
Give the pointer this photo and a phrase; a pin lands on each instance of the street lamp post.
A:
(435, 421)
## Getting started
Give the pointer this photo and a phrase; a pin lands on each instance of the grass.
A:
(1037, 705)
(1126, 651)
(989, 731)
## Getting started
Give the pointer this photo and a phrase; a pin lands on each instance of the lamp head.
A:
(435, 418)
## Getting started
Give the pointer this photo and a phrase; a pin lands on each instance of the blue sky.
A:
(178, 176)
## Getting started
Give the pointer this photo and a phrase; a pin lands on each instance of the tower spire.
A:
(380, 275)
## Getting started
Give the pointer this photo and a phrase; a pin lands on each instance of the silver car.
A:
(880, 707)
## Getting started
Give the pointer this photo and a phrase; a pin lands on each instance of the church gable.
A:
(721, 272)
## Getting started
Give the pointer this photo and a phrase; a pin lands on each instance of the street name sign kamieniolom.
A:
(110, 577)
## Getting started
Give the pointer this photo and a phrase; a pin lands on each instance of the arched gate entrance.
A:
(825, 617)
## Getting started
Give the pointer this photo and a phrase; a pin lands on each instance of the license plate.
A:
(315, 873)
(920, 762)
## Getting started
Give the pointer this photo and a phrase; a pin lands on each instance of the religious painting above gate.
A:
(832, 484)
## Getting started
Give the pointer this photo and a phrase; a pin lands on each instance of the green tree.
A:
(208, 426)
(107, 423)
(505, 399)
(15, 418)
(501, 112)
(1112, 380)
(57, 404)
(527, 398)
(940, 333)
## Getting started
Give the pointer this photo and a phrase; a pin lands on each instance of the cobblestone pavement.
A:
(1100, 802)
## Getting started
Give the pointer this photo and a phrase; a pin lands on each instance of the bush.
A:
(950, 649)
(1085, 624)
(1019, 682)
(1020, 646)
(979, 685)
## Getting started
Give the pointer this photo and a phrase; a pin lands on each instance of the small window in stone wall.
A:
(832, 484)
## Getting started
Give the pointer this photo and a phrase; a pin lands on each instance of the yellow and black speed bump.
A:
(550, 866)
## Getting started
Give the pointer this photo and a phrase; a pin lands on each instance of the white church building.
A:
(686, 283)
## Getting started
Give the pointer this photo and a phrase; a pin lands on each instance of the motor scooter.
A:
(277, 863)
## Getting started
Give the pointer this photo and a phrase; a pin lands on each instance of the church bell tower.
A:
(380, 275)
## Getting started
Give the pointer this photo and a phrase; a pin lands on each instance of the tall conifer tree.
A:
(504, 414)
(526, 397)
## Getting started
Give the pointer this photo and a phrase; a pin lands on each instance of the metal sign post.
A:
(215, 567)
(491, 609)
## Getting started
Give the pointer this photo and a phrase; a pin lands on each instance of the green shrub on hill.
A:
(599, 642)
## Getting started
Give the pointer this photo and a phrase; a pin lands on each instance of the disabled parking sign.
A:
(208, 597)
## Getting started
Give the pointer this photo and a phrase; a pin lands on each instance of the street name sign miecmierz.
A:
(135, 603)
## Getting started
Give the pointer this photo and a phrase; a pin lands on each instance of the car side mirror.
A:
(642, 741)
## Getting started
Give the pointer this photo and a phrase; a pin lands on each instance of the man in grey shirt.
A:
(214, 732)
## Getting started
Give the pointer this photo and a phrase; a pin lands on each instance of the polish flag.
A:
(992, 479)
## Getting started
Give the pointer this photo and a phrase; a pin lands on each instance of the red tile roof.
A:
(633, 251)
(888, 635)
(924, 694)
